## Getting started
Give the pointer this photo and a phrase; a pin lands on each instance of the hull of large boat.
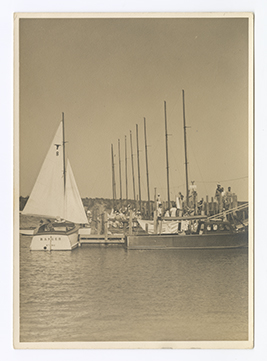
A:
(55, 241)
(192, 241)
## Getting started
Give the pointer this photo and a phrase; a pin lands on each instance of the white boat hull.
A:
(55, 242)
(28, 231)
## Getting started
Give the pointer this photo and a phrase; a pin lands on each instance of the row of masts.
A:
(146, 161)
(132, 162)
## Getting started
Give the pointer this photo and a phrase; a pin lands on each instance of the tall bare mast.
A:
(126, 180)
(131, 141)
(119, 151)
(113, 177)
(64, 156)
(185, 151)
(138, 164)
(147, 175)
(167, 158)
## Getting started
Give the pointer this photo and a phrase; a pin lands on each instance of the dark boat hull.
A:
(192, 241)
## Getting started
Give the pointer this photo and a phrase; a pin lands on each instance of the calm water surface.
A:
(106, 293)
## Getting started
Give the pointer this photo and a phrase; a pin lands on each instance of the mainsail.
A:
(48, 197)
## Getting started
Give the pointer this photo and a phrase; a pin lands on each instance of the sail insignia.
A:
(57, 148)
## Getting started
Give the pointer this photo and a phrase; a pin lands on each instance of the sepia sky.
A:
(106, 75)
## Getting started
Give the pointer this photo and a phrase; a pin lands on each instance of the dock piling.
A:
(155, 222)
(131, 223)
(212, 206)
(207, 206)
(106, 226)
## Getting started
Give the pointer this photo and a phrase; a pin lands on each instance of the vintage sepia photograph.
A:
(133, 201)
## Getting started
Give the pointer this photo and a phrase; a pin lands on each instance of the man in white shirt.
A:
(173, 210)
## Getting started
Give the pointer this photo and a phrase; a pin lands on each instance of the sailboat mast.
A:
(119, 151)
(185, 152)
(126, 180)
(112, 171)
(167, 158)
(63, 144)
(138, 164)
(131, 141)
(147, 175)
(113, 177)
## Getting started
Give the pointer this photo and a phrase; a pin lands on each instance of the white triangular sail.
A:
(48, 197)
(74, 210)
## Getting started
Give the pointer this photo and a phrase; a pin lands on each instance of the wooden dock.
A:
(86, 238)
(103, 233)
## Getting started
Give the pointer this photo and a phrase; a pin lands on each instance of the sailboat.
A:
(55, 197)
(187, 232)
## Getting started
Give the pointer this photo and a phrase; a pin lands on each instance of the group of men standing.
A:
(225, 197)
(177, 207)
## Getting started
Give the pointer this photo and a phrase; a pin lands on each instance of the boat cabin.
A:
(212, 227)
(56, 227)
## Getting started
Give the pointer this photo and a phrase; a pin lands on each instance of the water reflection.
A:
(105, 293)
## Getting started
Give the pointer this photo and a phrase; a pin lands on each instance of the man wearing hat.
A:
(218, 192)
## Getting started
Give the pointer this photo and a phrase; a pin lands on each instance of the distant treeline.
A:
(105, 204)
(97, 203)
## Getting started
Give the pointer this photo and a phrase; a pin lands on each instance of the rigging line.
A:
(157, 142)
(197, 165)
(169, 116)
(93, 186)
(224, 180)
(179, 186)
(158, 179)
(180, 172)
